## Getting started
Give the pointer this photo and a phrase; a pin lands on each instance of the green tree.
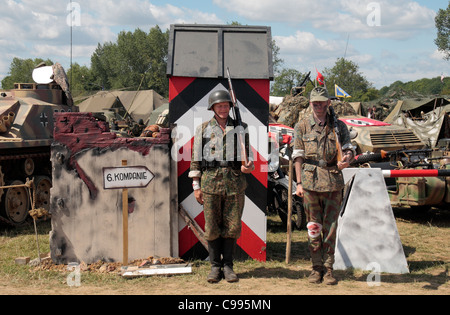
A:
(156, 78)
(370, 95)
(136, 60)
(80, 79)
(21, 71)
(285, 81)
(277, 62)
(442, 22)
(420, 88)
(103, 62)
(346, 75)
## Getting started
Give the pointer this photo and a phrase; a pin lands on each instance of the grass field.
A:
(425, 238)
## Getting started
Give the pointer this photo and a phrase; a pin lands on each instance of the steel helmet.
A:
(218, 97)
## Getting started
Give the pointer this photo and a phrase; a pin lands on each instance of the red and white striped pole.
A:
(415, 173)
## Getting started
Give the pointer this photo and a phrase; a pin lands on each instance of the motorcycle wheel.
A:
(298, 217)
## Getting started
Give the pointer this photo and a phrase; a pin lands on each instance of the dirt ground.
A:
(425, 243)
(282, 280)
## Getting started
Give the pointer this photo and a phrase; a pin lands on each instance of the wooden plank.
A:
(193, 225)
(173, 269)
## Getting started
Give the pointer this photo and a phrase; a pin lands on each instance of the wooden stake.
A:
(125, 221)
(289, 214)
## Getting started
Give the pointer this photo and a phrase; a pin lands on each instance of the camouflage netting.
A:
(287, 113)
(295, 108)
(343, 108)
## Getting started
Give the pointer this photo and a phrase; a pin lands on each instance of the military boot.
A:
(228, 249)
(316, 274)
(328, 278)
(215, 251)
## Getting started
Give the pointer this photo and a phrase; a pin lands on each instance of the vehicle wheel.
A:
(298, 214)
(15, 203)
(42, 185)
(2, 182)
(28, 167)
(300, 222)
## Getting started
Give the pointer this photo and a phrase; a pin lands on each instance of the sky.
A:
(388, 40)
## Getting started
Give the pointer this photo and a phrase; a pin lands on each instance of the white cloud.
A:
(282, 10)
(437, 55)
(313, 32)
(306, 43)
(399, 19)
(41, 50)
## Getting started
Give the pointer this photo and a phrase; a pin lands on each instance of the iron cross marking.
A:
(44, 119)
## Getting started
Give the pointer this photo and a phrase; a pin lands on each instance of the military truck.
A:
(26, 134)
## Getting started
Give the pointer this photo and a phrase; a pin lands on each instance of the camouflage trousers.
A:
(322, 211)
(223, 215)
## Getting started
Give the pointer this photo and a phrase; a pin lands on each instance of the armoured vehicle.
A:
(26, 133)
(415, 192)
(370, 135)
(429, 118)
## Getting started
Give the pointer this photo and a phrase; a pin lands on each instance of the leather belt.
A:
(320, 163)
(217, 164)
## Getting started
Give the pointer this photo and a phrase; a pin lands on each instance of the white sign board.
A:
(126, 177)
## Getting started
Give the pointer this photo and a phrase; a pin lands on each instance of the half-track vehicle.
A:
(26, 134)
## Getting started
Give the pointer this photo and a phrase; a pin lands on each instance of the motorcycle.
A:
(278, 189)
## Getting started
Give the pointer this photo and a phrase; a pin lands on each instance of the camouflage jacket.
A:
(211, 144)
(318, 143)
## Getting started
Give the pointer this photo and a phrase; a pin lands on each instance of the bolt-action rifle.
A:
(238, 119)
(336, 133)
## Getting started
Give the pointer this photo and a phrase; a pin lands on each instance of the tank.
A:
(26, 134)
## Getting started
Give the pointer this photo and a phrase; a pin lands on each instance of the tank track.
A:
(23, 156)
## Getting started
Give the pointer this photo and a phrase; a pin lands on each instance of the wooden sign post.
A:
(123, 178)
(289, 215)
(125, 221)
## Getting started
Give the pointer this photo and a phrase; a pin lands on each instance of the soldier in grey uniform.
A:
(219, 183)
(320, 181)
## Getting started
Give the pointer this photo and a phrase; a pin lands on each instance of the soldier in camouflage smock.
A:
(320, 181)
(219, 183)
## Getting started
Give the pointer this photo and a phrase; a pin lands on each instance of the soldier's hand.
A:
(199, 196)
(299, 190)
(248, 168)
(345, 162)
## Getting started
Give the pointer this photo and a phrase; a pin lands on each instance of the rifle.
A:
(237, 117)
(336, 133)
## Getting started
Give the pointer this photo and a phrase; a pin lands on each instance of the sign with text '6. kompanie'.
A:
(126, 177)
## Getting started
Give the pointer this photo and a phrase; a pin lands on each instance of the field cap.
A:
(319, 94)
